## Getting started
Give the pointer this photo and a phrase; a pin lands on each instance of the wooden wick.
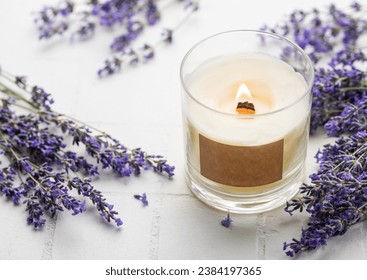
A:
(245, 108)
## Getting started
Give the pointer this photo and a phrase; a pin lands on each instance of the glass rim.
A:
(259, 32)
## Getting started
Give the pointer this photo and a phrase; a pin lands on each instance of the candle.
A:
(246, 117)
(270, 84)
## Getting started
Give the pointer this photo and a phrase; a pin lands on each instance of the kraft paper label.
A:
(241, 166)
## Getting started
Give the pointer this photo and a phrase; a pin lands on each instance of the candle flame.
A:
(243, 92)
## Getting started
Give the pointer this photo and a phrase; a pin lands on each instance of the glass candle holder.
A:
(246, 110)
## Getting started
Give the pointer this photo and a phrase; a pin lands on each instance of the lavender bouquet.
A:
(132, 17)
(41, 171)
(336, 198)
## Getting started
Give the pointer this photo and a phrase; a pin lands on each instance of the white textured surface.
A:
(141, 107)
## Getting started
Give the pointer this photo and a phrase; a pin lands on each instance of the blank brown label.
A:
(241, 166)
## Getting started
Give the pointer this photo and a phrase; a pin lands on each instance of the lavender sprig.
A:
(124, 54)
(132, 17)
(42, 171)
(337, 196)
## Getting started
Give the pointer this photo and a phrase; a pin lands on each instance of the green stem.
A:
(361, 207)
(17, 96)
(6, 90)
(353, 88)
(358, 159)
(21, 106)
(16, 156)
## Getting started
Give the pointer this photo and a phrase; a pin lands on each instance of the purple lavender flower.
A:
(41, 98)
(347, 56)
(46, 15)
(227, 221)
(111, 67)
(48, 31)
(152, 14)
(76, 163)
(131, 56)
(35, 212)
(167, 35)
(21, 81)
(85, 188)
(142, 198)
(356, 6)
(112, 12)
(134, 29)
(84, 31)
(14, 194)
(147, 52)
(66, 7)
(7, 175)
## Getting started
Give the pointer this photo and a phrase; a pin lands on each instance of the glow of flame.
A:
(243, 92)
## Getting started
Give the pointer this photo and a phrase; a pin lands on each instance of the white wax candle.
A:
(246, 119)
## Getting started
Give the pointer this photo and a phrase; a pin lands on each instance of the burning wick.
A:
(246, 107)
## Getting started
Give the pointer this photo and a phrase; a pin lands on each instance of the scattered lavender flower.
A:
(131, 16)
(227, 221)
(167, 36)
(49, 173)
(142, 198)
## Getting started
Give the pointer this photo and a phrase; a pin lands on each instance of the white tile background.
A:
(141, 107)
